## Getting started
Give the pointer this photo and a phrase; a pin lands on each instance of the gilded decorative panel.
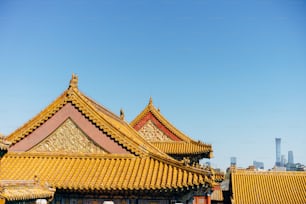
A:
(67, 138)
(151, 133)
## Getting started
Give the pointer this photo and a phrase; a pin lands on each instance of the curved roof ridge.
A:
(69, 155)
(156, 113)
(117, 129)
(115, 124)
(101, 107)
(182, 147)
(33, 123)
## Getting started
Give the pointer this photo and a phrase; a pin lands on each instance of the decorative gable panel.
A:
(68, 138)
(151, 133)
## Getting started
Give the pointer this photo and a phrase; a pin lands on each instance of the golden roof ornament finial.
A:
(151, 101)
(121, 114)
(74, 81)
(185, 161)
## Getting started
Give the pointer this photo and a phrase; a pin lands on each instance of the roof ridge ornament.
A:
(121, 114)
(150, 101)
(73, 81)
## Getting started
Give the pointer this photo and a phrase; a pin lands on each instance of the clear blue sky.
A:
(229, 73)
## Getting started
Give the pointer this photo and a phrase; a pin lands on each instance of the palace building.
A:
(75, 151)
(156, 129)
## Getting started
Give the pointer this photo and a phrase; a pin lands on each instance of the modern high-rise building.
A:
(290, 157)
(291, 166)
(283, 160)
(278, 151)
(233, 161)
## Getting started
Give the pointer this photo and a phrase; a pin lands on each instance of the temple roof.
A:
(268, 187)
(176, 142)
(179, 147)
(24, 190)
(116, 128)
(102, 172)
(140, 166)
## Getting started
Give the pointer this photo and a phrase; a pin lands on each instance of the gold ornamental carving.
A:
(68, 138)
(151, 133)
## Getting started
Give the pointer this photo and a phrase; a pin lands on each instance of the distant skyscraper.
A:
(278, 151)
(283, 160)
(233, 161)
(258, 165)
(290, 165)
(290, 157)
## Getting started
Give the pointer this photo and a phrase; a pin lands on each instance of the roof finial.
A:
(150, 101)
(74, 81)
(121, 114)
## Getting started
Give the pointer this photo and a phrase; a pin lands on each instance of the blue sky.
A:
(229, 73)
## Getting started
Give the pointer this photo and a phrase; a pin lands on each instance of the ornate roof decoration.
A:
(152, 133)
(150, 101)
(117, 129)
(176, 142)
(218, 176)
(268, 187)
(21, 190)
(121, 114)
(77, 142)
(74, 81)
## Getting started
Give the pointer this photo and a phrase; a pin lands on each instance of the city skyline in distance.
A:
(280, 158)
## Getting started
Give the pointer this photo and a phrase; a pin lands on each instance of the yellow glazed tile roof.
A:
(185, 146)
(179, 147)
(147, 167)
(268, 187)
(116, 128)
(24, 190)
(218, 176)
(102, 172)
